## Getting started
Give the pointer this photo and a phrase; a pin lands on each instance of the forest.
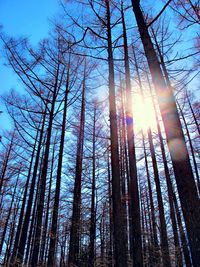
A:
(100, 166)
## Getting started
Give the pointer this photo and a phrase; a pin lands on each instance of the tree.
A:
(182, 168)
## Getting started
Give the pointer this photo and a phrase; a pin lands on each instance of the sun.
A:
(143, 114)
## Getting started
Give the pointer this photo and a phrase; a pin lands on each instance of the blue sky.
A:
(23, 18)
(32, 19)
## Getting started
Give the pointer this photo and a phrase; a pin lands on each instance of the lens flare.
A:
(143, 114)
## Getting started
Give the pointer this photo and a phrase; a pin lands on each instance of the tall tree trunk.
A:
(156, 256)
(134, 194)
(93, 206)
(110, 252)
(31, 235)
(191, 148)
(183, 238)
(122, 154)
(41, 199)
(180, 158)
(9, 211)
(153, 251)
(144, 243)
(120, 247)
(45, 235)
(53, 234)
(24, 231)
(76, 213)
(11, 233)
(163, 227)
(178, 256)
(162, 62)
(21, 216)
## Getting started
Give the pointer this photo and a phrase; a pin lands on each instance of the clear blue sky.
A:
(30, 18)
(23, 18)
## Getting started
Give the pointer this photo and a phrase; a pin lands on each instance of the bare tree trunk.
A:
(110, 252)
(75, 224)
(123, 163)
(178, 256)
(183, 238)
(93, 209)
(153, 256)
(31, 235)
(24, 231)
(163, 227)
(191, 148)
(136, 241)
(144, 243)
(120, 247)
(181, 162)
(102, 237)
(156, 256)
(11, 234)
(9, 211)
(21, 216)
(53, 234)
(181, 112)
(40, 207)
(45, 236)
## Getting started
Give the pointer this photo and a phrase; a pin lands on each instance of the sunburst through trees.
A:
(101, 164)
